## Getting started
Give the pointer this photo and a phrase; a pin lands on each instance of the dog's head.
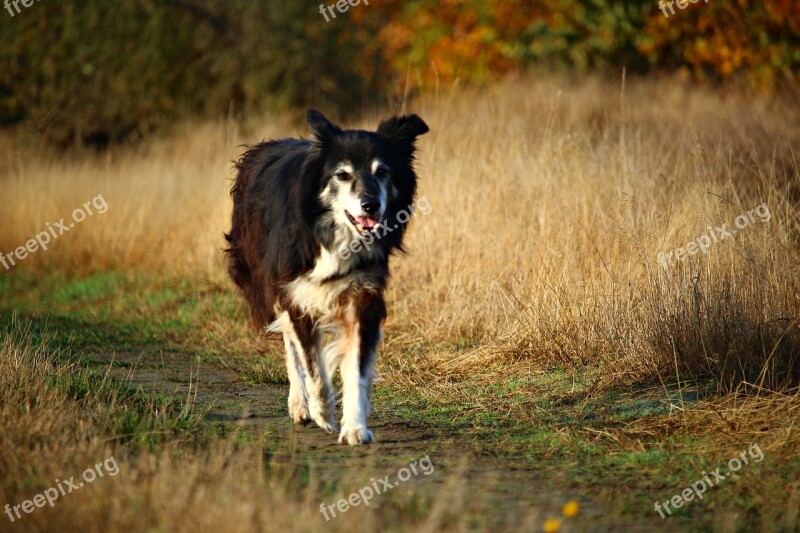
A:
(366, 178)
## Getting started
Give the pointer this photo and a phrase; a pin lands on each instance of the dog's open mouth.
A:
(364, 225)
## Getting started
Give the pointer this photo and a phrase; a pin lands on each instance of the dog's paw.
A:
(329, 427)
(322, 421)
(298, 410)
(355, 435)
(321, 414)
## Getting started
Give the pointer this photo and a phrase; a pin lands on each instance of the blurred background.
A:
(91, 72)
(535, 336)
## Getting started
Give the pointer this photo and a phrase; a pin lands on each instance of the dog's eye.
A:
(381, 172)
(343, 175)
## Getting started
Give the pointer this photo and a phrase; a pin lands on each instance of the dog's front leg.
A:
(295, 369)
(317, 384)
(362, 333)
(321, 401)
(298, 397)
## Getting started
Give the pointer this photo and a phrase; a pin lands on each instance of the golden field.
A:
(550, 202)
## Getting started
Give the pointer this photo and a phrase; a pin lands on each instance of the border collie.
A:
(302, 208)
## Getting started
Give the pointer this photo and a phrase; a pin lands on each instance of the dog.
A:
(314, 225)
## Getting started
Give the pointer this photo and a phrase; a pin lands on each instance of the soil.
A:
(513, 492)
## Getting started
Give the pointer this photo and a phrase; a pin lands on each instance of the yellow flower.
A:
(552, 525)
(571, 509)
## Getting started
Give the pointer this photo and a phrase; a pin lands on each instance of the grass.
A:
(531, 325)
(59, 418)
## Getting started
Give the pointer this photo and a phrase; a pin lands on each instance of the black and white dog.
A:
(299, 208)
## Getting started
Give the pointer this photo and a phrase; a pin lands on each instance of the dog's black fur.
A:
(281, 224)
(276, 232)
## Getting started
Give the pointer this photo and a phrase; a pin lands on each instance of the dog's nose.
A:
(370, 206)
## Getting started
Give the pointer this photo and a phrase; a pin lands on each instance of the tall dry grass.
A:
(53, 433)
(550, 203)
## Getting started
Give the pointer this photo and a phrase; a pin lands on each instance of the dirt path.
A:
(510, 490)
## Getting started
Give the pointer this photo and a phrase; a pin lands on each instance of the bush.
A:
(92, 72)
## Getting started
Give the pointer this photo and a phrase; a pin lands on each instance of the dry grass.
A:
(550, 202)
(56, 433)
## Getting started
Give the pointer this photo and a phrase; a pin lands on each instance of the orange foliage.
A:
(479, 40)
(754, 38)
(442, 41)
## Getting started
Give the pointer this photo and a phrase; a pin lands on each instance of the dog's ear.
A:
(322, 129)
(402, 131)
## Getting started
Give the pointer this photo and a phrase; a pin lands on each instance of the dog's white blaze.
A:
(345, 200)
(344, 166)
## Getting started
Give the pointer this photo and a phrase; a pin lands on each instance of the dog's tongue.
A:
(366, 222)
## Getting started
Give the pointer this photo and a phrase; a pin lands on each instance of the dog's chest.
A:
(322, 291)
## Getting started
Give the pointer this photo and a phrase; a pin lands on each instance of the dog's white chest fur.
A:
(318, 292)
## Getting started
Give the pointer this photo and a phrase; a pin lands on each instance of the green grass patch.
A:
(130, 416)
